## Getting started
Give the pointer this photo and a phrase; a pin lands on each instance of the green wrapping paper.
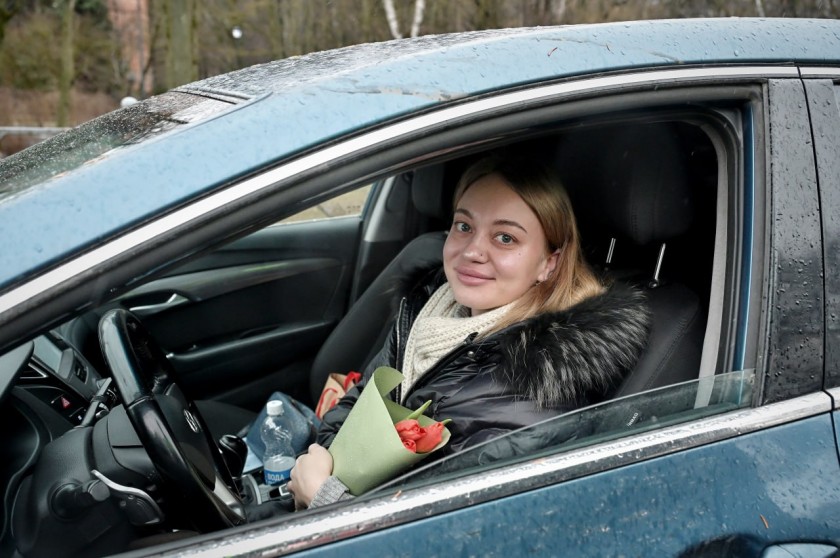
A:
(367, 451)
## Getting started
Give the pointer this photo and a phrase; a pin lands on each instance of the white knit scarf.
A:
(441, 325)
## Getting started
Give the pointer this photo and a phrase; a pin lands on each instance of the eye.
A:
(460, 226)
(505, 238)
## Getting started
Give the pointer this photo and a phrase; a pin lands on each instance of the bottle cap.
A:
(274, 407)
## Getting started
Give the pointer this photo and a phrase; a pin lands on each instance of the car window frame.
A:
(321, 527)
(793, 347)
(822, 88)
(319, 174)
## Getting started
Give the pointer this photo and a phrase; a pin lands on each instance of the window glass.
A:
(618, 418)
(345, 205)
(131, 125)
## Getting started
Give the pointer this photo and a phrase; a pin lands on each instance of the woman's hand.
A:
(308, 474)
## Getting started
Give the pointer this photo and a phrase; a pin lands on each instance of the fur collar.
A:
(564, 357)
(560, 358)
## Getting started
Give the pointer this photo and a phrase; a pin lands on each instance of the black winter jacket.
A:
(530, 371)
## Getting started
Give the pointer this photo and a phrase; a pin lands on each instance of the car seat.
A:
(360, 334)
(633, 196)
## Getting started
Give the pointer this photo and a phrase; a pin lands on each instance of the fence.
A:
(15, 138)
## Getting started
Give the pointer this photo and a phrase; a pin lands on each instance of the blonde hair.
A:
(572, 279)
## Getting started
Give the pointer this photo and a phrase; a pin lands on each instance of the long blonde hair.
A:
(572, 279)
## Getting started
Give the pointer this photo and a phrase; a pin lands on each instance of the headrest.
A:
(629, 182)
(427, 192)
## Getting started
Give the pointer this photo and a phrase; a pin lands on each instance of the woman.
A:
(515, 328)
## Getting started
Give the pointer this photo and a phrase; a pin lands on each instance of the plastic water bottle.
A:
(279, 457)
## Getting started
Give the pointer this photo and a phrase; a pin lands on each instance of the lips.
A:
(471, 277)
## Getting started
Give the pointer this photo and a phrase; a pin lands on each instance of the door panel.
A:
(795, 267)
(824, 107)
(247, 319)
(730, 498)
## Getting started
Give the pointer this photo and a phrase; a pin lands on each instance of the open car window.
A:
(609, 421)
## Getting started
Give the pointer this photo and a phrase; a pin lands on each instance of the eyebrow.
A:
(507, 222)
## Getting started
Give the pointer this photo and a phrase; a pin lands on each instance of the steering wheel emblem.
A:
(192, 421)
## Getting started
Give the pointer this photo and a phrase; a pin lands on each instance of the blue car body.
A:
(284, 108)
(754, 468)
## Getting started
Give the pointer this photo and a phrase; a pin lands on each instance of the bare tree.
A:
(393, 22)
(759, 7)
(180, 54)
(68, 51)
(419, 9)
(558, 9)
(391, 16)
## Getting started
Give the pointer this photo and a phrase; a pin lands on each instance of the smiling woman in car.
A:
(513, 329)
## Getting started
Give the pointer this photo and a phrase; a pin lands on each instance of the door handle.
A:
(147, 309)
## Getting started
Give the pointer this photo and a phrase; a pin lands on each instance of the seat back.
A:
(360, 334)
(632, 196)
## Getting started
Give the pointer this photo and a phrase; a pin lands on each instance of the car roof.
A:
(268, 113)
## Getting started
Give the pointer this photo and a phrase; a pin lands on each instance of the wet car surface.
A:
(702, 160)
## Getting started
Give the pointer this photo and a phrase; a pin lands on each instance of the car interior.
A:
(282, 308)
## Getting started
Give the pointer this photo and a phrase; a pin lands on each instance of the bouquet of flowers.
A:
(380, 438)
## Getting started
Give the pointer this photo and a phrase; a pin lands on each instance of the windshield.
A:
(607, 421)
(127, 126)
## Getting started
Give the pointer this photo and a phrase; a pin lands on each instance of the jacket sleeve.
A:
(332, 491)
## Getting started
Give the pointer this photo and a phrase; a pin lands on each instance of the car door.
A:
(737, 460)
(822, 86)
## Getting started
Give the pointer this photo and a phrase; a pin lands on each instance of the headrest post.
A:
(655, 281)
(610, 253)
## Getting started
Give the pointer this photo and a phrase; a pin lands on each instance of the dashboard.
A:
(47, 388)
(55, 373)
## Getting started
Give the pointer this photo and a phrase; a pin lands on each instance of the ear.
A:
(550, 265)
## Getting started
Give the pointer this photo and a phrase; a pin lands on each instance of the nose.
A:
(475, 250)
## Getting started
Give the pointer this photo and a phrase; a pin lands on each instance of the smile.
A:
(471, 277)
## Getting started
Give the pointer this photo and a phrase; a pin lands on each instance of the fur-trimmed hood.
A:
(560, 357)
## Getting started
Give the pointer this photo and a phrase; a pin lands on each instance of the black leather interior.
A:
(633, 185)
(358, 336)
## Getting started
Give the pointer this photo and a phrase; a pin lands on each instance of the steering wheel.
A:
(168, 424)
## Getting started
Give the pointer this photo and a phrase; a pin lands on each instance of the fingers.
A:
(309, 473)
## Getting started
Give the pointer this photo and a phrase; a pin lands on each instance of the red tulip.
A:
(409, 429)
(410, 445)
(432, 437)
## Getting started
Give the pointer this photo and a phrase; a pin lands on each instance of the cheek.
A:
(450, 249)
(510, 265)
(519, 266)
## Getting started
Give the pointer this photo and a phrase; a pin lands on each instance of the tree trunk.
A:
(558, 10)
(391, 16)
(365, 32)
(419, 8)
(181, 64)
(275, 30)
(65, 82)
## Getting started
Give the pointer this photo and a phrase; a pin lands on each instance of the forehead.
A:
(492, 191)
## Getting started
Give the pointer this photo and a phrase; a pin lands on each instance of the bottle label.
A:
(278, 469)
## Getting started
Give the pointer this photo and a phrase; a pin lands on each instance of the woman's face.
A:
(496, 249)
